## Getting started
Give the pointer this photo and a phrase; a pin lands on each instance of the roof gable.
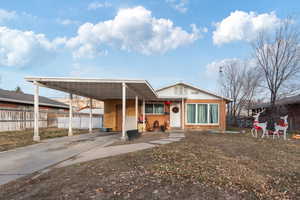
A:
(188, 91)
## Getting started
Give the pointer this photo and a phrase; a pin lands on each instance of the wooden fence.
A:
(20, 119)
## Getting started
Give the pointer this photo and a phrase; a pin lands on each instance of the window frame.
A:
(153, 109)
(196, 114)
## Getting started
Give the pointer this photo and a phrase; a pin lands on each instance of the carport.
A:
(99, 89)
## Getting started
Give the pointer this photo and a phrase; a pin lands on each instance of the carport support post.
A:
(91, 116)
(123, 110)
(136, 111)
(144, 117)
(36, 136)
(182, 113)
(70, 133)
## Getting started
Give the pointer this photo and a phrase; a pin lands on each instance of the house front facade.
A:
(177, 106)
(130, 103)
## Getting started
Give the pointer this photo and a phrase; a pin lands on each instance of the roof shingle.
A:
(22, 98)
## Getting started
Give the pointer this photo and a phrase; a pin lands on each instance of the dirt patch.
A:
(201, 166)
(13, 139)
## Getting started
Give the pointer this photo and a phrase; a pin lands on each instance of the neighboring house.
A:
(19, 100)
(86, 110)
(289, 106)
(178, 106)
(81, 104)
(16, 111)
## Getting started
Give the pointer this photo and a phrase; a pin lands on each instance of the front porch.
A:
(146, 115)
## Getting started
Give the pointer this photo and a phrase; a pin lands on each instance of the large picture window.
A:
(199, 113)
(154, 108)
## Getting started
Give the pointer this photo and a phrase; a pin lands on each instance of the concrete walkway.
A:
(26, 160)
(102, 152)
(61, 152)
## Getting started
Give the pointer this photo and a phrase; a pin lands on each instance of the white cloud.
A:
(96, 5)
(179, 5)
(19, 48)
(67, 22)
(240, 25)
(7, 15)
(132, 29)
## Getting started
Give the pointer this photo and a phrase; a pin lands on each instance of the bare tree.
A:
(18, 89)
(278, 59)
(240, 82)
(251, 88)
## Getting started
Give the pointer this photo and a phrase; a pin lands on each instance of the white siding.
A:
(186, 92)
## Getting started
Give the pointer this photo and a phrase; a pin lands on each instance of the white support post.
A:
(91, 116)
(70, 133)
(144, 117)
(123, 111)
(136, 110)
(182, 113)
(36, 136)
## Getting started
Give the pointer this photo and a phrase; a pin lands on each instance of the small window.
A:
(149, 108)
(181, 90)
(158, 108)
(154, 108)
(185, 90)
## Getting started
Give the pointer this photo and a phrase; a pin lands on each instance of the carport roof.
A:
(99, 89)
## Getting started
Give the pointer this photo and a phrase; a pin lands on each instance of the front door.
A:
(175, 115)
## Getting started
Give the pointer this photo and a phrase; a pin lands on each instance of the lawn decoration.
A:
(258, 126)
(167, 102)
(283, 126)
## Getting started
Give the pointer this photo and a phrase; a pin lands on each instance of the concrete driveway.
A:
(26, 160)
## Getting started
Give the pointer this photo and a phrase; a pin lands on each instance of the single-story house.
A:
(177, 106)
(128, 102)
(20, 100)
(288, 105)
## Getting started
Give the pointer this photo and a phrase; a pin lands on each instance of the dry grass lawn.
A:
(13, 139)
(202, 166)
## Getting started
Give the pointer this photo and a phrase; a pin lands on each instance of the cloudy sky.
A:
(163, 41)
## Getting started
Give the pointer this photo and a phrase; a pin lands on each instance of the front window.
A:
(154, 108)
(213, 113)
(200, 113)
(191, 113)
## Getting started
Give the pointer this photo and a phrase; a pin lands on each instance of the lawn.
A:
(13, 139)
(202, 166)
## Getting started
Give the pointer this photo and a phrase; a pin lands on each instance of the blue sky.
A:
(163, 41)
